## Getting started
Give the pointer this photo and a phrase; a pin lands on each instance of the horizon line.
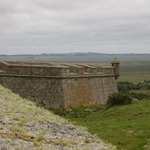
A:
(74, 53)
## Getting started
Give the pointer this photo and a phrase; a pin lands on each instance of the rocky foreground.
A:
(23, 126)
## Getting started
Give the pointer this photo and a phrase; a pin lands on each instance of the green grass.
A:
(127, 127)
(133, 77)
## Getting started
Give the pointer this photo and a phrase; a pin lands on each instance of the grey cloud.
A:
(81, 25)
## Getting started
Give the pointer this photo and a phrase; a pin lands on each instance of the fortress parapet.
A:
(55, 85)
(57, 70)
(33, 69)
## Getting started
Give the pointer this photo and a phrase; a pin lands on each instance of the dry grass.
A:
(25, 126)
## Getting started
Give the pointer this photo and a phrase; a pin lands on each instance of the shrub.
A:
(119, 99)
(127, 86)
(140, 96)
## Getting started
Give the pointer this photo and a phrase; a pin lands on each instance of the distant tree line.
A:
(137, 90)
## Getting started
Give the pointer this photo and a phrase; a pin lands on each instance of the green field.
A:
(127, 127)
(135, 69)
(134, 77)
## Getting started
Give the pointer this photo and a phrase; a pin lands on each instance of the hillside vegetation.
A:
(127, 127)
(23, 126)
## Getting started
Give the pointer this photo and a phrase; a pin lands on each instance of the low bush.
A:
(140, 96)
(119, 99)
(129, 86)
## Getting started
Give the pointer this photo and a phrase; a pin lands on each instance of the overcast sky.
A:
(58, 26)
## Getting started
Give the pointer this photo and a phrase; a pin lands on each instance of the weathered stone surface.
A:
(54, 86)
(88, 91)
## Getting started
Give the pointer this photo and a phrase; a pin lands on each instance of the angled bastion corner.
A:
(54, 85)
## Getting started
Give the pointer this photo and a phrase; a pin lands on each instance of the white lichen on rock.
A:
(24, 126)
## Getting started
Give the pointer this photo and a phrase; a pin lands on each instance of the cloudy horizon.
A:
(47, 26)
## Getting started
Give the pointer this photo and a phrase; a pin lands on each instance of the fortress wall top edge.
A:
(53, 69)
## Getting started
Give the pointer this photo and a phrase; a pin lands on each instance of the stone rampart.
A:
(63, 85)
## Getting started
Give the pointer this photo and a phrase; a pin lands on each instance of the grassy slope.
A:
(25, 126)
(127, 127)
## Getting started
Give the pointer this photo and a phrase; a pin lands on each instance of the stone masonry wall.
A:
(88, 91)
(44, 91)
(57, 92)
(60, 85)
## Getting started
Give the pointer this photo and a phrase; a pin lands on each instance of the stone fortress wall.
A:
(54, 85)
